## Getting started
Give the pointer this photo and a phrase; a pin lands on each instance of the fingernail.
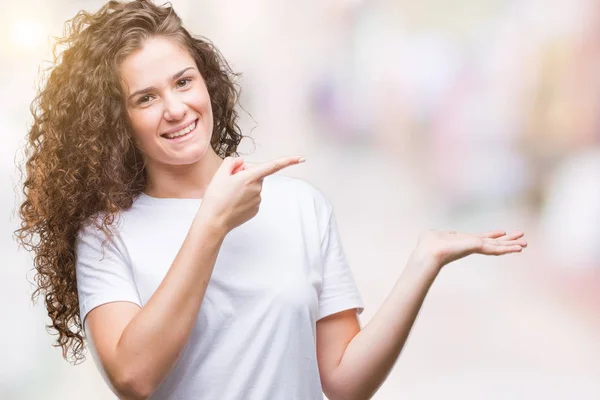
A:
(301, 160)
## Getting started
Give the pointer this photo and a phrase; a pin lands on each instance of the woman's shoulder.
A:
(136, 214)
(100, 225)
(298, 191)
(293, 185)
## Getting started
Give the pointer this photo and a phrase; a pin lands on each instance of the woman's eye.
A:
(144, 99)
(183, 82)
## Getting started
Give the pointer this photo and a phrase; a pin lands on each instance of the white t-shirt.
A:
(274, 277)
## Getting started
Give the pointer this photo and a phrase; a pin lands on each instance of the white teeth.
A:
(182, 132)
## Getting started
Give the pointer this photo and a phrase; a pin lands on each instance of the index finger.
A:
(261, 171)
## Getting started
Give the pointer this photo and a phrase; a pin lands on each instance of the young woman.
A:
(149, 240)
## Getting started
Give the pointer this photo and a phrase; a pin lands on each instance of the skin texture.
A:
(173, 101)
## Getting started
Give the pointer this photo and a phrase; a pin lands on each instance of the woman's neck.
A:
(182, 181)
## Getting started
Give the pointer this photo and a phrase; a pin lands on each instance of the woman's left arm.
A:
(353, 363)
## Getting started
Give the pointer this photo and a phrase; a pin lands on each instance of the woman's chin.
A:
(193, 155)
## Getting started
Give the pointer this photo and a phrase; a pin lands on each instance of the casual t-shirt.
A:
(275, 276)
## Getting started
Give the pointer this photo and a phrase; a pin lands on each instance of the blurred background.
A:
(469, 115)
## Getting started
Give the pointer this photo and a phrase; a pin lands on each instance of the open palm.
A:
(448, 246)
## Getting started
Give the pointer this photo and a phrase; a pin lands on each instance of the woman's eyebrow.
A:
(151, 88)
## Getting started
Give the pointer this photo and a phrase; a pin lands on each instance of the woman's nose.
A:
(175, 108)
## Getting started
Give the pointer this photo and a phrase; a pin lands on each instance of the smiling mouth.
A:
(181, 132)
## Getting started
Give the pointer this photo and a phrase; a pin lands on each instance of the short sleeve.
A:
(338, 291)
(102, 273)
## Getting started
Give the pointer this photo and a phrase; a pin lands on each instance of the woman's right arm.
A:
(138, 347)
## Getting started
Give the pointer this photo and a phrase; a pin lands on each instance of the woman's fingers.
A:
(512, 239)
(498, 250)
(492, 234)
(239, 168)
(261, 171)
(504, 245)
(502, 236)
(519, 242)
(497, 234)
(512, 236)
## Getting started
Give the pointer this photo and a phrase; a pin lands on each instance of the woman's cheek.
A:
(150, 119)
(145, 124)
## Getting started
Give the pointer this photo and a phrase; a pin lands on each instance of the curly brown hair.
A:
(81, 160)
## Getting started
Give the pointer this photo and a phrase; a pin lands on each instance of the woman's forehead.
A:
(157, 60)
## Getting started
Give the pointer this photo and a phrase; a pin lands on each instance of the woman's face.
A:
(167, 103)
